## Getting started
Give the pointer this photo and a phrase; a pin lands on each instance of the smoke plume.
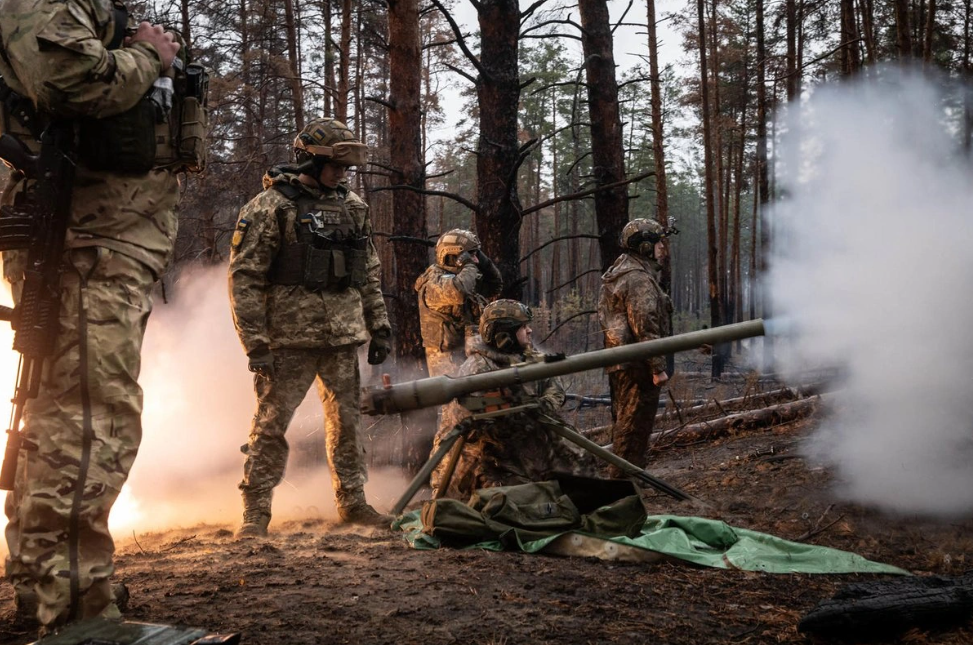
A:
(872, 262)
(199, 401)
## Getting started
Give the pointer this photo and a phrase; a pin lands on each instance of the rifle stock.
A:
(39, 225)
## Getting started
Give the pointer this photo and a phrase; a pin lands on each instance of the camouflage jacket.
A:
(516, 448)
(54, 54)
(632, 306)
(292, 316)
(449, 304)
(483, 358)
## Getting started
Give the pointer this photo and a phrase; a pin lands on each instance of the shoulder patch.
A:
(239, 233)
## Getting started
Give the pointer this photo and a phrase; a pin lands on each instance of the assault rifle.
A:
(100, 631)
(39, 225)
(400, 397)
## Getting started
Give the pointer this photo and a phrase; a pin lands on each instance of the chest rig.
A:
(330, 252)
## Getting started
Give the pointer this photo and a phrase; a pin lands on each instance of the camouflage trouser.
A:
(86, 424)
(635, 401)
(338, 381)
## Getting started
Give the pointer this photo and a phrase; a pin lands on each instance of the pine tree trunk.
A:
(408, 168)
(607, 149)
(498, 91)
(715, 301)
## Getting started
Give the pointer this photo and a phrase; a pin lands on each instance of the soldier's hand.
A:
(164, 42)
(660, 379)
(379, 347)
(262, 362)
(466, 258)
(492, 280)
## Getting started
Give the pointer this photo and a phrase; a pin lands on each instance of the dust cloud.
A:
(873, 262)
(199, 401)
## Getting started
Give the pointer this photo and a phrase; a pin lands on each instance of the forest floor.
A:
(315, 581)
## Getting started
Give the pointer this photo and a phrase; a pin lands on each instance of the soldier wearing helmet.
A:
(632, 307)
(517, 448)
(305, 294)
(452, 293)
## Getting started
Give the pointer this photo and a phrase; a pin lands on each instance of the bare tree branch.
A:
(574, 279)
(622, 17)
(460, 38)
(561, 238)
(529, 11)
(423, 191)
(567, 320)
(585, 193)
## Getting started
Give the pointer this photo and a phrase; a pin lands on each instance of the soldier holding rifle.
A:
(91, 135)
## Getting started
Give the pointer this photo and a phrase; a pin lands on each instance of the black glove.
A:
(262, 362)
(464, 258)
(492, 283)
(379, 347)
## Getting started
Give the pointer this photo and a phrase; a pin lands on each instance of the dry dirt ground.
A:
(317, 582)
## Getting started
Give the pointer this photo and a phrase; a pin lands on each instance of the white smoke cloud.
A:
(873, 263)
(199, 401)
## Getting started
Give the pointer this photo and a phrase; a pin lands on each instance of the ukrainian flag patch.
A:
(239, 233)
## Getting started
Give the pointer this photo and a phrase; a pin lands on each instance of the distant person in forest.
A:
(452, 293)
(632, 307)
(511, 449)
(305, 293)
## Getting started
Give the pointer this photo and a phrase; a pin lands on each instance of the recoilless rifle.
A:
(439, 390)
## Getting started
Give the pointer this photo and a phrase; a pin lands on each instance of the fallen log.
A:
(769, 416)
(885, 608)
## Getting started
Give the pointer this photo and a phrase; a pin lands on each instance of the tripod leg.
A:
(423, 475)
(450, 467)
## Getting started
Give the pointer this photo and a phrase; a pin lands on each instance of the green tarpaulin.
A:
(705, 542)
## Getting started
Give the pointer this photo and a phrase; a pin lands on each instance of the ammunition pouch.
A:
(121, 143)
(137, 140)
(322, 267)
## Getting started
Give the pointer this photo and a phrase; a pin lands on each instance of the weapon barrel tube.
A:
(443, 389)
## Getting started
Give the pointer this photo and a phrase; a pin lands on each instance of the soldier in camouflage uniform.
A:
(515, 448)
(72, 60)
(452, 293)
(632, 307)
(305, 293)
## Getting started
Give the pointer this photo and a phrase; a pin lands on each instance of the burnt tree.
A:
(407, 168)
(607, 151)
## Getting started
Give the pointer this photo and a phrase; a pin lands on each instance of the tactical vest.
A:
(154, 134)
(444, 332)
(330, 252)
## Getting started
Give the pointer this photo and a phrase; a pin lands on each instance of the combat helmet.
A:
(453, 243)
(329, 140)
(500, 321)
(641, 235)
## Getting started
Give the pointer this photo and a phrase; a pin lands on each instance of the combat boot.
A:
(254, 525)
(363, 514)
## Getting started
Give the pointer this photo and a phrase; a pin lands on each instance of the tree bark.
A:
(930, 30)
(716, 315)
(294, 65)
(607, 145)
(329, 82)
(903, 33)
(344, 64)
(497, 160)
(763, 182)
(850, 57)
